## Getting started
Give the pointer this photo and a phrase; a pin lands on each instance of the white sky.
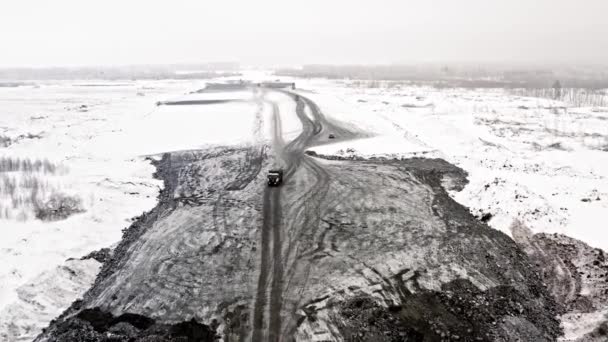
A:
(103, 32)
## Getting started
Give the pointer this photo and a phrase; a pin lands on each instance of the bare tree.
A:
(557, 90)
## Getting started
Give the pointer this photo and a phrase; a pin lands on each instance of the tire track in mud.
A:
(276, 291)
(309, 208)
(271, 238)
(295, 158)
(303, 213)
(271, 196)
(272, 260)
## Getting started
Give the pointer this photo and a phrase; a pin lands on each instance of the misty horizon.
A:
(69, 33)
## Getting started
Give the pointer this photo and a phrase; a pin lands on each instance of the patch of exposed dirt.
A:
(575, 274)
(101, 255)
(459, 312)
(96, 325)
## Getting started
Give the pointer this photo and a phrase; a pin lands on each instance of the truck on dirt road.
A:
(275, 177)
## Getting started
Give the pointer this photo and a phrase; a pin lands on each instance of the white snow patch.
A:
(576, 325)
(44, 298)
(290, 124)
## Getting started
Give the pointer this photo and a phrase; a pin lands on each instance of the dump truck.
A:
(275, 177)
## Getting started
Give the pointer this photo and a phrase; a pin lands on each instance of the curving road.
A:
(275, 254)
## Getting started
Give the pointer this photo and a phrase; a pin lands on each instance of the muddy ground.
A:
(344, 251)
(576, 275)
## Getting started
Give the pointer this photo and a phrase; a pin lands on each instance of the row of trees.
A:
(574, 96)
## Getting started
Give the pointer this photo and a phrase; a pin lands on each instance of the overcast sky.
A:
(110, 32)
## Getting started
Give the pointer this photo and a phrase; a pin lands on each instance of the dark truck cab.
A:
(275, 177)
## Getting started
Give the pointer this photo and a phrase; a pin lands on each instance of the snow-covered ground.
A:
(540, 161)
(96, 135)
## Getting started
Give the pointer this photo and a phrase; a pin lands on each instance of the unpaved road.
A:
(343, 251)
(308, 215)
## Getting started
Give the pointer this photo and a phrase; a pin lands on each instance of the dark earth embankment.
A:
(393, 258)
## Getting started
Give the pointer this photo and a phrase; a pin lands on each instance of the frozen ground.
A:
(541, 162)
(97, 134)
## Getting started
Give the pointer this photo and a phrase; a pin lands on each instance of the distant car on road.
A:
(331, 136)
(275, 177)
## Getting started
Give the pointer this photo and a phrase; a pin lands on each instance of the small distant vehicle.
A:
(275, 177)
(331, 136)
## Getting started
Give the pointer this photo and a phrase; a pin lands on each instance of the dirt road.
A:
(292, 156)
(343, 251)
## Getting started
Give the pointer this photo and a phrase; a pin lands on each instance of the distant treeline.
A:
(468, 76)
(194, 71)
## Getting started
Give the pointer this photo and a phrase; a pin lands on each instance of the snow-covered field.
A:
(95, 136)
(539, 161)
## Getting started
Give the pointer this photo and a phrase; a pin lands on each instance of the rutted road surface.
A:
(292, 157)
(343, 251)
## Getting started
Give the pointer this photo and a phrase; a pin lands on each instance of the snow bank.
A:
(392, 146)
(44, 298)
